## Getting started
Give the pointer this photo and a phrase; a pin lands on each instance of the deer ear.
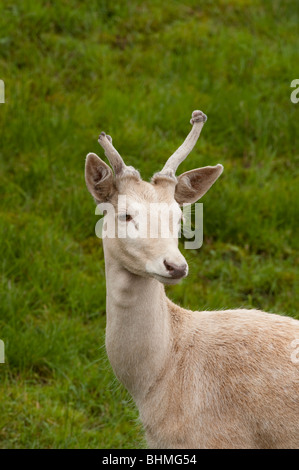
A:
(193, 184)
(99, 178)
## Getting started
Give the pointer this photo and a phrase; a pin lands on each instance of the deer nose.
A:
(175, 271)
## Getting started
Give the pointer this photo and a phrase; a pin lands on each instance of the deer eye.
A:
(125, 217)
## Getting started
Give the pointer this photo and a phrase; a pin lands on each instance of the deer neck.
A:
(138, 330)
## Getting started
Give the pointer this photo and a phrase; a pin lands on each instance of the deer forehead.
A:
(142, 192)
(146, 202)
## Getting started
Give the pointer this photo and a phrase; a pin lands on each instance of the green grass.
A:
(136, 70)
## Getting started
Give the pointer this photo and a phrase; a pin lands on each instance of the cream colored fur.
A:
(220, 379)
(211, 379)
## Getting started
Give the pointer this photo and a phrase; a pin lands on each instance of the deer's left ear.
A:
(193, 184)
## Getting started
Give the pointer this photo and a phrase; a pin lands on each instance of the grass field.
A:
(136, 70)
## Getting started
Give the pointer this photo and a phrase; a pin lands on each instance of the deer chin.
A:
(165, 279)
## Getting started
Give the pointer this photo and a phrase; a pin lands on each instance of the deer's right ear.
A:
(99, 178)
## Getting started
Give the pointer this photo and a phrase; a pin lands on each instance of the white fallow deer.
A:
(211, 379)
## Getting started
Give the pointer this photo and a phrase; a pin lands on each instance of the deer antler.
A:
(198, 119)
(111, 153)
(116, 161)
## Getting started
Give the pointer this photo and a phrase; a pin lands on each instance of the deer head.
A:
(133, 201)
